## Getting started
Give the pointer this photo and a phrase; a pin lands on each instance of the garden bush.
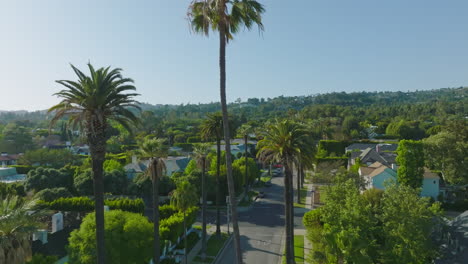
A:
(85, 204)
(51, 194)
(129, 239)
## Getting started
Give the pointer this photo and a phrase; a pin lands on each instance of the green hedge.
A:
(193, 139)
(165, 211)
(342, 160)
(85, 204)
(184, 146)
(22, 169)
(333, 146)
(173, 227)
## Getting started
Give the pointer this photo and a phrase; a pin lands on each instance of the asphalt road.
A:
(262, 228)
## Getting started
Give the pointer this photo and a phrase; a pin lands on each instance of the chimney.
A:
(394, 167)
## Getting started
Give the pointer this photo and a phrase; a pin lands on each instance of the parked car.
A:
(261, 195)
(268, 183)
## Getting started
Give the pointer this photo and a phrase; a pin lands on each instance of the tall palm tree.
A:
(212, 127)
(283, 142)
(184, 197)
(154, 149)
(226, 17)
(90, 103)
(16, 226)
(200, 152)
(245, 130)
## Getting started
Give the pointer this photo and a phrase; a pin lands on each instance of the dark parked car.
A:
(261, 195)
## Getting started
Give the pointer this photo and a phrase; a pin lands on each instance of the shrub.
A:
(49, 195)
(184, 146)
(193, 139)
(129, 239)
(85, 204)
(332, 147)
(41, 259)
(22, 169)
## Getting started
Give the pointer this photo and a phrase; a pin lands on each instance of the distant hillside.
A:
(269, 107)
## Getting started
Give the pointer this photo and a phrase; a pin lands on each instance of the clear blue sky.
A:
(308, 47)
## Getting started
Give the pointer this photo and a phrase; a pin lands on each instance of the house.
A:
(370, 156)
(377, 174)
(431, 184)
(173, 164)
(455, 241)
(9, 159)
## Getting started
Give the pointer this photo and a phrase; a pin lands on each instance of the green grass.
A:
(215, 244)
(302, 204)
(298, 249)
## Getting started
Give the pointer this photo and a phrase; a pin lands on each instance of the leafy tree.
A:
(391, 226)
(90, 103)
(16, 139)
(111, 165)
(183, 198)
(43, 178)
(226, 17)
(156, 150)
(212, 127)
(129, 239)
(449, 154)
(245, 130)
(83, 182)
(200, 153)
(56, 158)
(41, 259)
(411, 163)
(408, 223)
(16, 226)
(49, 195)
(115, 182)
(283, 142)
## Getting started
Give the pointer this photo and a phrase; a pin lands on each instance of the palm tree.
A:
(155, 150)
(226, 17)
(283, 142)
(184, 197)
(212, 127)
(200, 152)
(245, 130)
(16, 226)
(90, 103)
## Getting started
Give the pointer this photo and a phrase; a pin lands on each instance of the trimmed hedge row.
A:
(85, 204)
(184, 146)
(173, 227)
(333, 146)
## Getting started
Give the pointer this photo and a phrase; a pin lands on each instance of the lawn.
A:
(298, 249)
(214, 245)
(303, 198)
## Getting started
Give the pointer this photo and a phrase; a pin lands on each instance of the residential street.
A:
(262, 228)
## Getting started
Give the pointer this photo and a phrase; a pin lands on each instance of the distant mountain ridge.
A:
(298, 102)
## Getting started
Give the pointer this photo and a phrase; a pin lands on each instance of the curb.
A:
(221, 252)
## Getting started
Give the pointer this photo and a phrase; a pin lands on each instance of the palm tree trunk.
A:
(230, 180)
(185, 240)
(246, 167)
(302, 176)
(288, 214)
(218, 195)
(298, 184)
(155, 178)
(203, 238)
(97, 148)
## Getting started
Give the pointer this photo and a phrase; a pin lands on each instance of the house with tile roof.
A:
(377, 174)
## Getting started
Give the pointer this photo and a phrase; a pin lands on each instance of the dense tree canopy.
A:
(129, 239)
